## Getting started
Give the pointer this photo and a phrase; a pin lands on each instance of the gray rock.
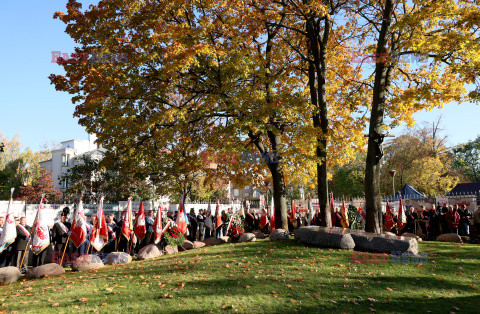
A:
(258, 234)
(170, 249)
(390, 233)
(115, 258)
(225, 239)
(279, 234)
(9, 275)
(198, 244)
(411, 235)
(51, 269)
(380, 244)
(247, 237)
(87, 262)
(333, 240)
(188, 245)
(449, 237)
(302, 231)
(212, 241)
(148, 252)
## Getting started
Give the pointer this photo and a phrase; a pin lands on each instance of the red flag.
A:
(344, 212)
(99, 237)
(218, 217)
(78, 233)
(332, 206)
(272, 215)
(263, 218)
(157, 226)
(181, 223)
(401, 221)
(140, 227)
(389, 219)
(362, 213)
(128, 220)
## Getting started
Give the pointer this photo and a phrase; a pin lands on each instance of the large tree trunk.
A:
(317, 82)
(373, 199)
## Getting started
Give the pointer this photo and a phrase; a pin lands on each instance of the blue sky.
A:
(31, 108)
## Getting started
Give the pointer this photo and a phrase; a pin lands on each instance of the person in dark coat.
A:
(464, 225)
(453, 219)
(192, 226)
(112, 234)
(201, 224)
(60, 233)
(149, 238)
(20, 244)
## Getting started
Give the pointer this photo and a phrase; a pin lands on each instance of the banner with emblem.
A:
(9, 232)
(41, 235)
(79, 226)
(99, 237)
(140, 227)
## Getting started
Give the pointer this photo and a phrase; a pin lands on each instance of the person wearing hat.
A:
(60, 233)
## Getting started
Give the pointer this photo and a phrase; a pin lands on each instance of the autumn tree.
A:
(44, 185)
(445, 36)
(467, 159)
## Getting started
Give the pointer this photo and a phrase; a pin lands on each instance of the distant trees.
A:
(467, 159)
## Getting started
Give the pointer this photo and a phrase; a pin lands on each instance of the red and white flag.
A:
(263, 218)
(343, 210)
(401, 219)
(99, 237)
(41, 236)
(272, 215)
(293, 218)
(140, 227)
(362, 212)
(180, 221)
(218, 217)
(389, 218)
(78, 233)
(128, 220)
(157, 226)
(9, 232)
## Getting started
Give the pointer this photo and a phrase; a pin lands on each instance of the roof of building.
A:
(406, 192)
(465, 188)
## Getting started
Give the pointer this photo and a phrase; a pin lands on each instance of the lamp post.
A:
(392, 173)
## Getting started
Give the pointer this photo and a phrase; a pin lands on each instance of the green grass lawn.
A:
(262, 276)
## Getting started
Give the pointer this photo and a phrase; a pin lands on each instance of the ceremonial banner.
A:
(362, 213)
(263, 218)
(9, 232)
(293, 219)
(272, 215)
(78, 233)
(344, 212)
(181, 221)
(157, 226)
(128, 220)
(41, 236)
(140, 227)
(218, 217)
(99, 237)
(401, 219)
(389, 219)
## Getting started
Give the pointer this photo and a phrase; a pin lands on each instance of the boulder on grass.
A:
(411, 235)
(149, 251)
(170, 249)
(51, 269)
(333, 240)
(187, 245)
(390, 233)
(225, 239)
(279, 234)
(9, 275)
(449, 237)
(87, 262)
(115, 258)
(300, 233)
(380, 244)
(198, 244)
(212, 241)
(246, 237)
(258, 234)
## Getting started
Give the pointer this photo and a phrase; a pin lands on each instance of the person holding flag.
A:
(208, 223)
(293, 216)
(78, 232)
(21, 244)
(99, 237)
(389, 218)
(344, 212)
(126, 226)
(40, 235)
(9, 232)
(218, 220)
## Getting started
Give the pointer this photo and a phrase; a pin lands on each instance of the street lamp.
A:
(392, 173)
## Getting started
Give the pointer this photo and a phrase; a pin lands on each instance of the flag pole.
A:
(33, 232)
(64, 249)
(130, 249)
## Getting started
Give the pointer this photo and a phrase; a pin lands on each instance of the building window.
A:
(65, 159)
(65, 183)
